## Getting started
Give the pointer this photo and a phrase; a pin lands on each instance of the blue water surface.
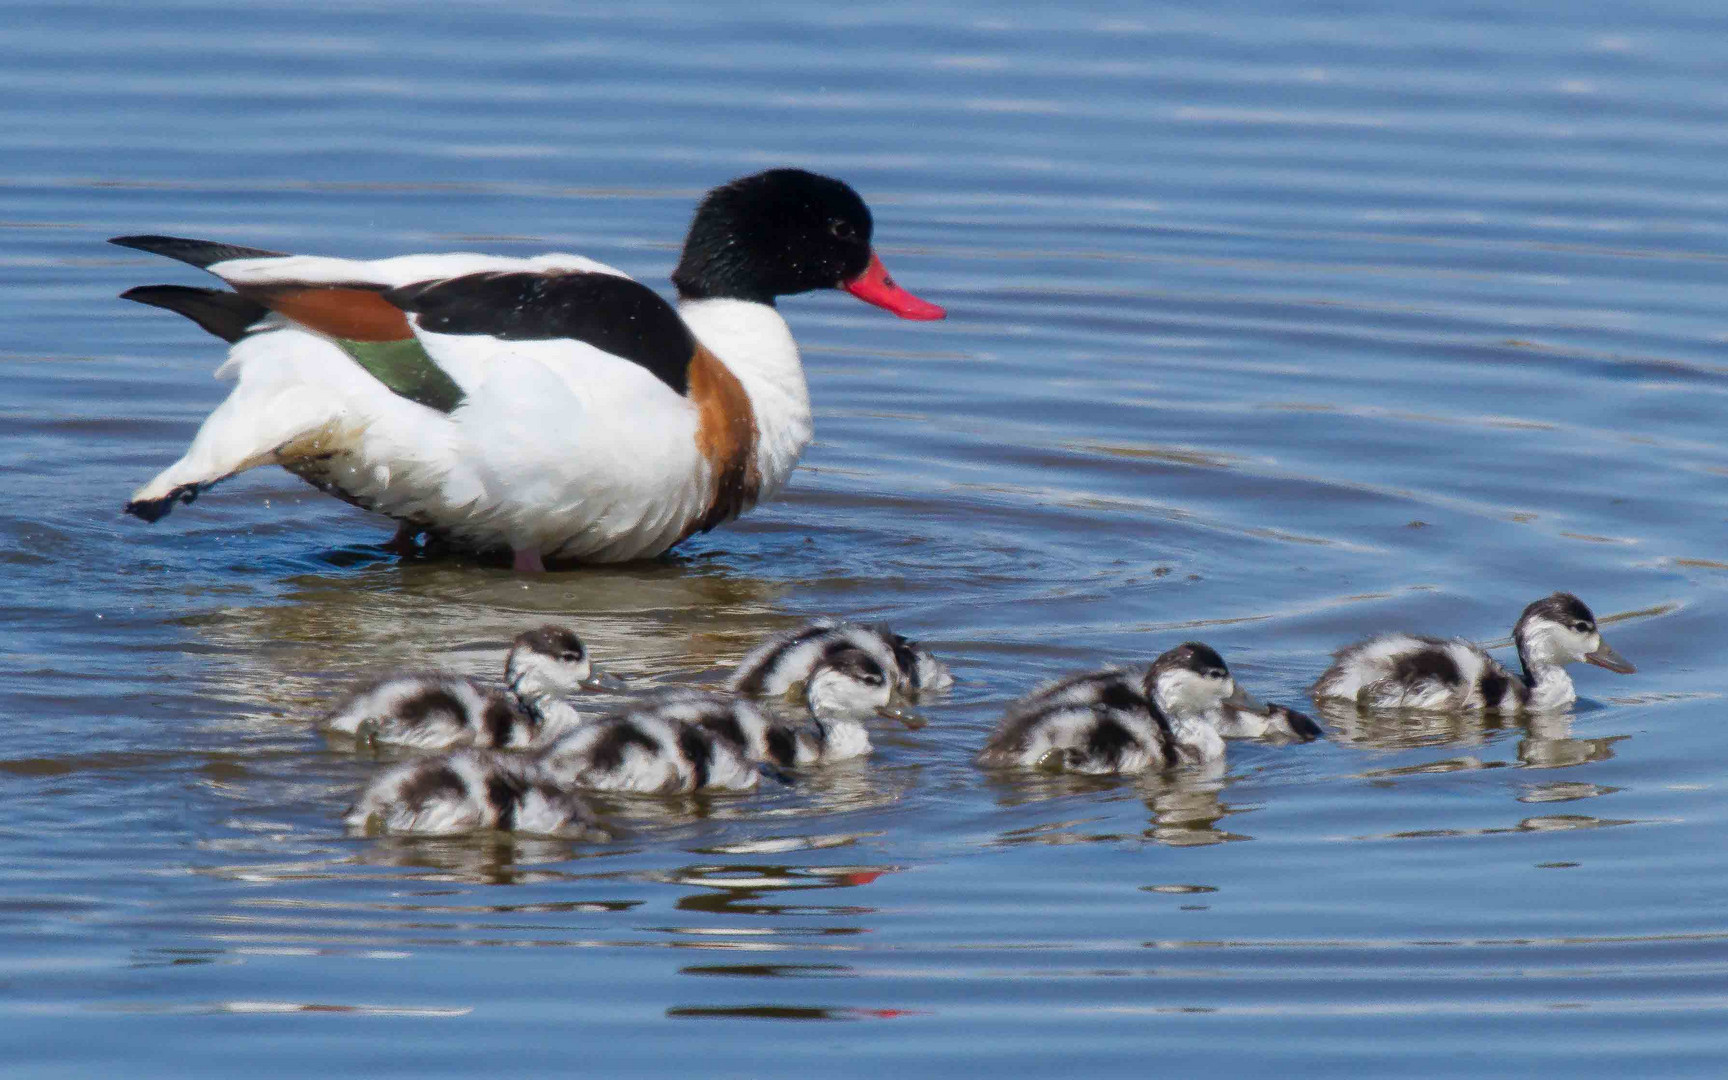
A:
(1271, 325)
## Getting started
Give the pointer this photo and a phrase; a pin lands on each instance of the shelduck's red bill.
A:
(874, 286)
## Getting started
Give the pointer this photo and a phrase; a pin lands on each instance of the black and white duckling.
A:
(690, 740)
(437, 710)
(779, 664)
(647, 749)
(468, 790)
(1107, 722)
(1398, 670)
(832, 734)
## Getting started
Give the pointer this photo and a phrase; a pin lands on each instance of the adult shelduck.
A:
(549, 406)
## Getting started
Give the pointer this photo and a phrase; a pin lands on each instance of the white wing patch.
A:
(398, 270)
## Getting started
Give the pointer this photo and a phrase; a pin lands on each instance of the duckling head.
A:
(848, 683)
(1560, 629)
(1192, 679)
(551, 661)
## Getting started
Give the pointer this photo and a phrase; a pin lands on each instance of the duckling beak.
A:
(901, 713)
(1247, 702)
(1607, 658)
(601, 681)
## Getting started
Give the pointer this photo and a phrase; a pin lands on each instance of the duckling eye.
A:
(843, 229)
(1215, 673)
(572, 657)
(1581, 627)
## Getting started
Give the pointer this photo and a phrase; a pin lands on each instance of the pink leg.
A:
(528, 562)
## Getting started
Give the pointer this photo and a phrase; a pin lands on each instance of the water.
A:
(1267, 328)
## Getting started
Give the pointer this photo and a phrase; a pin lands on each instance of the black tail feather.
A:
(200, 253)
(227, 315)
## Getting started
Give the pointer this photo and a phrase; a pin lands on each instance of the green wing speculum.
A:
(404, 367)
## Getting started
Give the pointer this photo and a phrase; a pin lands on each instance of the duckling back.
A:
(468, 790)
(1077, 736)
(430, 711)
(645, 751)
(785, 660)
(1407, 671)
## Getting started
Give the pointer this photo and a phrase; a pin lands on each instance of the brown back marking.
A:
(726, 436)
(353, 313)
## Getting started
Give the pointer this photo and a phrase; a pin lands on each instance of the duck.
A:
(549, 408)
(1407, 671)
(784, 661)
(440, 710)
(469, 790)
(1107, 722)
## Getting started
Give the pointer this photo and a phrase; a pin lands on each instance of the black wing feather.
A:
(611, 313)
(199, 253)
(224, 314)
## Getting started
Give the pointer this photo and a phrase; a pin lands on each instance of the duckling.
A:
(783, 661)
(1103, 723)
(1398, 670)
(688, 739)
(436, 710)
(648, 748)
(468, 790)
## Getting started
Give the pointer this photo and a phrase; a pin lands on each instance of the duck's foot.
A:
(406, 541)
(528, 562)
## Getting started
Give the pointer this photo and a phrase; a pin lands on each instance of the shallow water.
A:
(1267, 328)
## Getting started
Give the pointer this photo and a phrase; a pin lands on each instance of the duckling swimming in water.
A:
(437, 710)
(1104, 723)
(783, 661)
(1398, 670)
(689, 740)
(646, 749)
(468, 790)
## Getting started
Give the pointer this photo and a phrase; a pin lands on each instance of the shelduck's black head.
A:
(787, 231)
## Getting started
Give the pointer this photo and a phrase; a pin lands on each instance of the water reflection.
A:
(1548, 744)
(650, 620)
(1547, 741)
(756, 889)
(1184, 808)
(1401, 729)
(475, 859)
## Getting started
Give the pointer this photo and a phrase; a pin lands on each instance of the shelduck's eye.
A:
(843, 229)
(1581, 627)
(1215, 673)
(572, 657)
